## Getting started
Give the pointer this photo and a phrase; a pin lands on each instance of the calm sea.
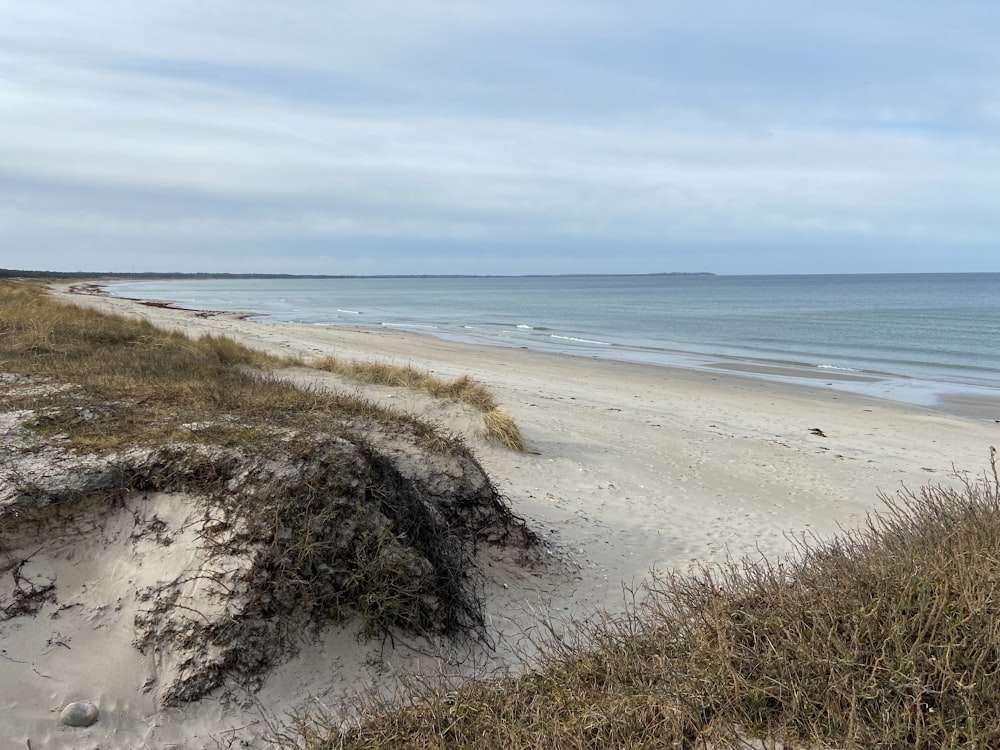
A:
(917, 336)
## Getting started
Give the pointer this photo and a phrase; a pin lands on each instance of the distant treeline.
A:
(7, 273)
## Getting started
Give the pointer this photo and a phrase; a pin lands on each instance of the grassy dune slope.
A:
(888, 637)
(324, 505)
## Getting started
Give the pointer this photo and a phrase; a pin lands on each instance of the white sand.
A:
(631, 468)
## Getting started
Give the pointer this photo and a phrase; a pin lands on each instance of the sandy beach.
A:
(630, 469)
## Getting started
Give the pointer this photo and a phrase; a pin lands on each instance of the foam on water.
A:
(579, 340)
(840, 369)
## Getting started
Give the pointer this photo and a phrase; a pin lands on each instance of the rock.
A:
(79, 714)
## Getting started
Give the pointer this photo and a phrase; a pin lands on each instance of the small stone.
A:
(79, 714)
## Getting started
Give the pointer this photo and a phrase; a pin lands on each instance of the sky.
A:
(514, 137)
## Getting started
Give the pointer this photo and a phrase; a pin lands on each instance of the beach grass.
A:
(886, 637)
(104, 383)
(151, 382)
(498, 425)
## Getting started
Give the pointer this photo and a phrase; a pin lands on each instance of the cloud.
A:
(596, 132)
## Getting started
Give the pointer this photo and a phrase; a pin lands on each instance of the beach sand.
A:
(630, 469)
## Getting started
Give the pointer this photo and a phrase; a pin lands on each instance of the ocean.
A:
(907, 337)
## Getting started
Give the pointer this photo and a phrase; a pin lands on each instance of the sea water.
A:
(911, 337)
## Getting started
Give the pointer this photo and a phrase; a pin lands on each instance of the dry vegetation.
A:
(318, 506)
(498, 425)
(888, 637)
(161, 379)
(147, 383)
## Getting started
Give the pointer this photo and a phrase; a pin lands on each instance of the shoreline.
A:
(964, 400)
(564, 403)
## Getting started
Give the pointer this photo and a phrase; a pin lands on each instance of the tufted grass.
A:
(499, 426)
(886, 637)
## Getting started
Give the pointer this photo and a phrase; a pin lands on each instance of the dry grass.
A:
(213, 420)
(152, 383)
(888, 637)
(462, 389)
(165, 375)
(498, 426)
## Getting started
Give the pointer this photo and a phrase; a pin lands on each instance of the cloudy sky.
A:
(523, 136)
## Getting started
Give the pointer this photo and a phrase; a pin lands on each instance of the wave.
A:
(408, 325)
(349, 312)
(839, 369)
(580, 341)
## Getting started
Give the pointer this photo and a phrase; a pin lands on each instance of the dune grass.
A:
(887, 637)
(153, 381)
(498, 425)
(501, 428)
(115, 382)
